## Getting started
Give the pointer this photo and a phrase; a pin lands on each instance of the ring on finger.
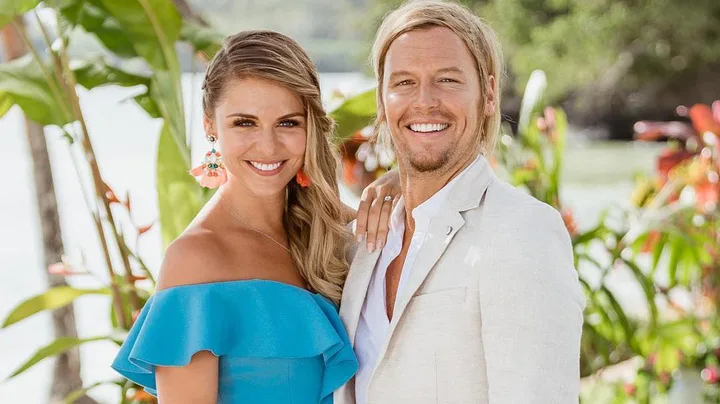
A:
(388, 198)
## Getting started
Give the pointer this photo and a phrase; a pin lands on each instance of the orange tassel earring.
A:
(211, 173)
(302, 179)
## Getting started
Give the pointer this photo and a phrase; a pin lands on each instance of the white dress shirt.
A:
(373, 326)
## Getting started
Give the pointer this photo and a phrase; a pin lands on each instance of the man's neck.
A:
(419, 187)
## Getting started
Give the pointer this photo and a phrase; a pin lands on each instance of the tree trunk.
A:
(66, 374)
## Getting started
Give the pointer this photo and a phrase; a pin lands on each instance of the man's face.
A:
(431, 94)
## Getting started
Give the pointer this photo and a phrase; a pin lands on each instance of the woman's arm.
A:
(195, 383)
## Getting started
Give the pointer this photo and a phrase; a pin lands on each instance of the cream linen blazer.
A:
(492, 311)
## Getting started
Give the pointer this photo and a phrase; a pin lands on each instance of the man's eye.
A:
(448, 80)
(404, 83)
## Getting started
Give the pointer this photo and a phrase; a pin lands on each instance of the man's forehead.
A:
(427, 56)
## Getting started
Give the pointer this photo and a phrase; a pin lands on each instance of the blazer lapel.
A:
(355, 289)
(442, 230)
(466, 194)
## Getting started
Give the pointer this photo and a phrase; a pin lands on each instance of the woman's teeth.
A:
(428, 127)
(266, 167)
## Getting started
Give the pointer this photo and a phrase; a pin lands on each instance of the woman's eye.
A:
(242, 123)
(448, 80)
(404, 83)
(290, 123)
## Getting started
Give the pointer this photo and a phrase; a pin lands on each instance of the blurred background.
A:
(609, 116)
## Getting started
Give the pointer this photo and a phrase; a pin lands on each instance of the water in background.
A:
(596, 175)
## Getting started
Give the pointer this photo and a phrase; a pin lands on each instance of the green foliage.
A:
(623, 43)
(51, 299)
(178, 194)
(9, 9)
(57, 347)
(23, 83)
(354, 114)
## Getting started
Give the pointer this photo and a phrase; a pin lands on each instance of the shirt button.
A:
(449, 230)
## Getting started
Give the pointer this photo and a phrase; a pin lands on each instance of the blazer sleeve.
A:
(532, 313)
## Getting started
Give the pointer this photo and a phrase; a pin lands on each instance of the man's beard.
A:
(430, 163)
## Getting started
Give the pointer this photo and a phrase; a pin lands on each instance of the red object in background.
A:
(653, 238)
(703, 118)
(569, 221)
(710, 374)
(706, 193)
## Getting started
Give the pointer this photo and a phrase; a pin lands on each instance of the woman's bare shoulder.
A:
(197, 256)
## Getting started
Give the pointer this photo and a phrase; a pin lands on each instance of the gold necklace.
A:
(232, 211)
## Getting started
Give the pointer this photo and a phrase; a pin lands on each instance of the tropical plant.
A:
(44, 85)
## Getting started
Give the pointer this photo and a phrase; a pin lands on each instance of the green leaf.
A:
(354, 114)
(95, 19)
(658, 249)
(620, 314)
(59, 346)
(204, 40)
(75, 395)
(97, 73)
(153, 27)
(23, 83)
(598, 232)
(180, 197)
(676, 250)
(9, 9)
(52, 299)
(163, 92)
(648, 288)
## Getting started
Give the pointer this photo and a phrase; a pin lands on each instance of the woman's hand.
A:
(376, 205)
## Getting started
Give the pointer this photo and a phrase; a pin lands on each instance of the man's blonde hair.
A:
(479, 38)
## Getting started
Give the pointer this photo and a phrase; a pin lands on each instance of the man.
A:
(474, 298)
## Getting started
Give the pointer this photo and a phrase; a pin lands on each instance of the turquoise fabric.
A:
(276, 343)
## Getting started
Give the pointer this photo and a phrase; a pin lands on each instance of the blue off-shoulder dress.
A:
(276, 343)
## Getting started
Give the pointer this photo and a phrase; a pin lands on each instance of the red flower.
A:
(653, 238)
(703, 118)
(670, 158)
(706, 195)
(110, 194)
(63, 269)
(569, 221)
(710, 374)
(630, 389)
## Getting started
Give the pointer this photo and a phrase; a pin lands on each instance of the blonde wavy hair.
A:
(313, 215)
(479, 38)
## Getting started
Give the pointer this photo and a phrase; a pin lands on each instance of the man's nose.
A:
(427, 96)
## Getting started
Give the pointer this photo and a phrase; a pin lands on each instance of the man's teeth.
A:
(428, 127)
(266, 167)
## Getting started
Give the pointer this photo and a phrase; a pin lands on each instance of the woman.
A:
(246, 304)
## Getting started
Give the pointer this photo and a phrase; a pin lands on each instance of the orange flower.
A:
(653, 238)
(707, 195)
(703, 120)
(143, 396)
(569, 221)
(144, 229)
(63, 269)
(110, 194)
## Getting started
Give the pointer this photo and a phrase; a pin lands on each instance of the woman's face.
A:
(261, 130)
